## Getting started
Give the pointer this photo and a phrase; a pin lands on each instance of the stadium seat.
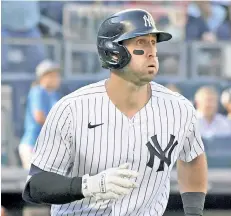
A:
(218, 151)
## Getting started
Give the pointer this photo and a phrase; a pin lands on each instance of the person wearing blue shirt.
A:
(42, 96)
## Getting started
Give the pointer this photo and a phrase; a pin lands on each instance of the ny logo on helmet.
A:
(148, 21)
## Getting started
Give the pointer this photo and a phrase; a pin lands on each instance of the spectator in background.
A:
(204, 20)
(42, 96)
(211, 122)
(196, 30)
(224, 31)
(53, 10)
(226, 101)
(174, 23)
(20, 19)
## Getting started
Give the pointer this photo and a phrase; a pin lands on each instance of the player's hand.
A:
(109, 184)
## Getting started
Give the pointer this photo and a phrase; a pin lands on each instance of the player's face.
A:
(144, 63)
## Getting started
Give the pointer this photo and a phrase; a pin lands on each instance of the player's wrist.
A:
(85, 186)
(76, 188)
(92, 185)
(193, 203)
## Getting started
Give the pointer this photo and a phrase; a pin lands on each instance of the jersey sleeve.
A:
(193, 145)
(53, 147)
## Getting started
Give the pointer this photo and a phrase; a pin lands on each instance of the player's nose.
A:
(152, 51)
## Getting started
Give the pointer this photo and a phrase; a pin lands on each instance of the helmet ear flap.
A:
(114, 55)
(110, 51)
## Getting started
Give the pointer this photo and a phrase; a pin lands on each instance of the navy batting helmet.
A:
(121, 26)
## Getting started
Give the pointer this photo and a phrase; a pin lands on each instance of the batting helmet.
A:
(121, 26)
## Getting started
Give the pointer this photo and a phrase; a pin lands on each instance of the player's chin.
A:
(147, 79)
(151, 74)
(152, 71)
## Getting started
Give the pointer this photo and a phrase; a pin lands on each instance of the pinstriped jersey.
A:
(85, 133)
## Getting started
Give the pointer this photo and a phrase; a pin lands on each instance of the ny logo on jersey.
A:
(148, 21)
(157, 151)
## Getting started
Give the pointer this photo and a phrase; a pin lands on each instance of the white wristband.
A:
(85, 189)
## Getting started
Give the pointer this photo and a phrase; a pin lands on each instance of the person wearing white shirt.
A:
(210, 121)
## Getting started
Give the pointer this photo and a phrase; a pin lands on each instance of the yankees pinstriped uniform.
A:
(86, 133)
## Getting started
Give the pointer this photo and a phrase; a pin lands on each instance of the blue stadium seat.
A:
(218, 151)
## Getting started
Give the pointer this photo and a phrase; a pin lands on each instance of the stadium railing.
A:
(21, 55)
(178, 61)
(210, 60)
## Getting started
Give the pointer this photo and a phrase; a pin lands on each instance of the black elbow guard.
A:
(51, 188)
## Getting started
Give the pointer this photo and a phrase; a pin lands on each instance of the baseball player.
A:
(109, 147)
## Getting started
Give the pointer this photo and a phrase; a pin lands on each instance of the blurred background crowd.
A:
(49, 50)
